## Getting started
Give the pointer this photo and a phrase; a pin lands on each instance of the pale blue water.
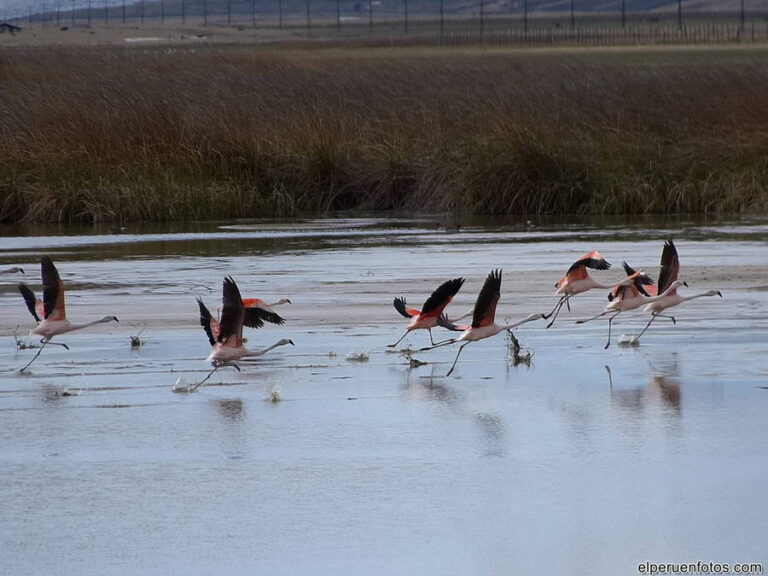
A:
(372, 467)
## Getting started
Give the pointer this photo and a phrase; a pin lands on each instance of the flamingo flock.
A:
(225, 331)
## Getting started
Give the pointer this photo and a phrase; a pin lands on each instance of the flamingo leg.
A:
(610, 322)
(456, 359)
(653, 317)
(55, 343)
(438, 345)
(401, 338)
(35, 357)
(556, 310)
(216, 367)
(593, 318)
(568, 302)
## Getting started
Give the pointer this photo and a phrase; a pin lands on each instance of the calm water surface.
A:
(589, 461)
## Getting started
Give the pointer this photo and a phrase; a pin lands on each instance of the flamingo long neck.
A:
(610, 286)
(667, 292)
(530, 318)
(72, 327)
(702, 295)
(467, 315)
(263, 350)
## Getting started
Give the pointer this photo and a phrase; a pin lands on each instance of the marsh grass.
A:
(122, 135)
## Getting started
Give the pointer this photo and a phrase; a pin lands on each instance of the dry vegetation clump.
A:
(160, 134)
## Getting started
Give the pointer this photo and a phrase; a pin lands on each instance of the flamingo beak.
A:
(291, 343)
(685, 284)
(719, 293)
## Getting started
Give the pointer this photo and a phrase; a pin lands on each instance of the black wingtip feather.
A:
(399, 304)
(442, 294)
(232, 307)
(251, 318)
(490, 291)
(51, 284)
(639, 282)
(205, 321)
(29, 299)
(443, 321)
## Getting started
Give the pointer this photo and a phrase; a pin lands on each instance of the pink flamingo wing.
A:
(485, 306)
(670, 266)
(441, 297)
(53, 291)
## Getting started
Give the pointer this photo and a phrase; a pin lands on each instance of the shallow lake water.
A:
(586, 461)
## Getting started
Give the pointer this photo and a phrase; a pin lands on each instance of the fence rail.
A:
(412, 21)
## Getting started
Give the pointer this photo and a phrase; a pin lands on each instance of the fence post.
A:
(573, 16)
(680, 15)
(406, 16)
(623, 13)
(525, 15)
(742, 15)
(482, 23)
(442, 22)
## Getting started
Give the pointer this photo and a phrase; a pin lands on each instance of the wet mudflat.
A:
(587, 461)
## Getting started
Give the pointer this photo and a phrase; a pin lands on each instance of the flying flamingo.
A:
(257, 309)
(578, 280)
(226, 336)
(483, 318)
(12, 270)
(51, 308)
(670, 268)
(426, 318)
(629, 297)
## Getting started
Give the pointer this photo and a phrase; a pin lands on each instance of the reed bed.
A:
(157, 134)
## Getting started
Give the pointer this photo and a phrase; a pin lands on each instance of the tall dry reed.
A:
(114, 134)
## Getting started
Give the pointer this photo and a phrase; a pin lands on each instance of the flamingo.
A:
(578, 280)
(12, 270)
(256, 309)
(670, 269)
(51, 308)
(226, 336)
(629, 297)
(483, 318)
(426, 318)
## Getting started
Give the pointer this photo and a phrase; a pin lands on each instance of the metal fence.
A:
(448, 22)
